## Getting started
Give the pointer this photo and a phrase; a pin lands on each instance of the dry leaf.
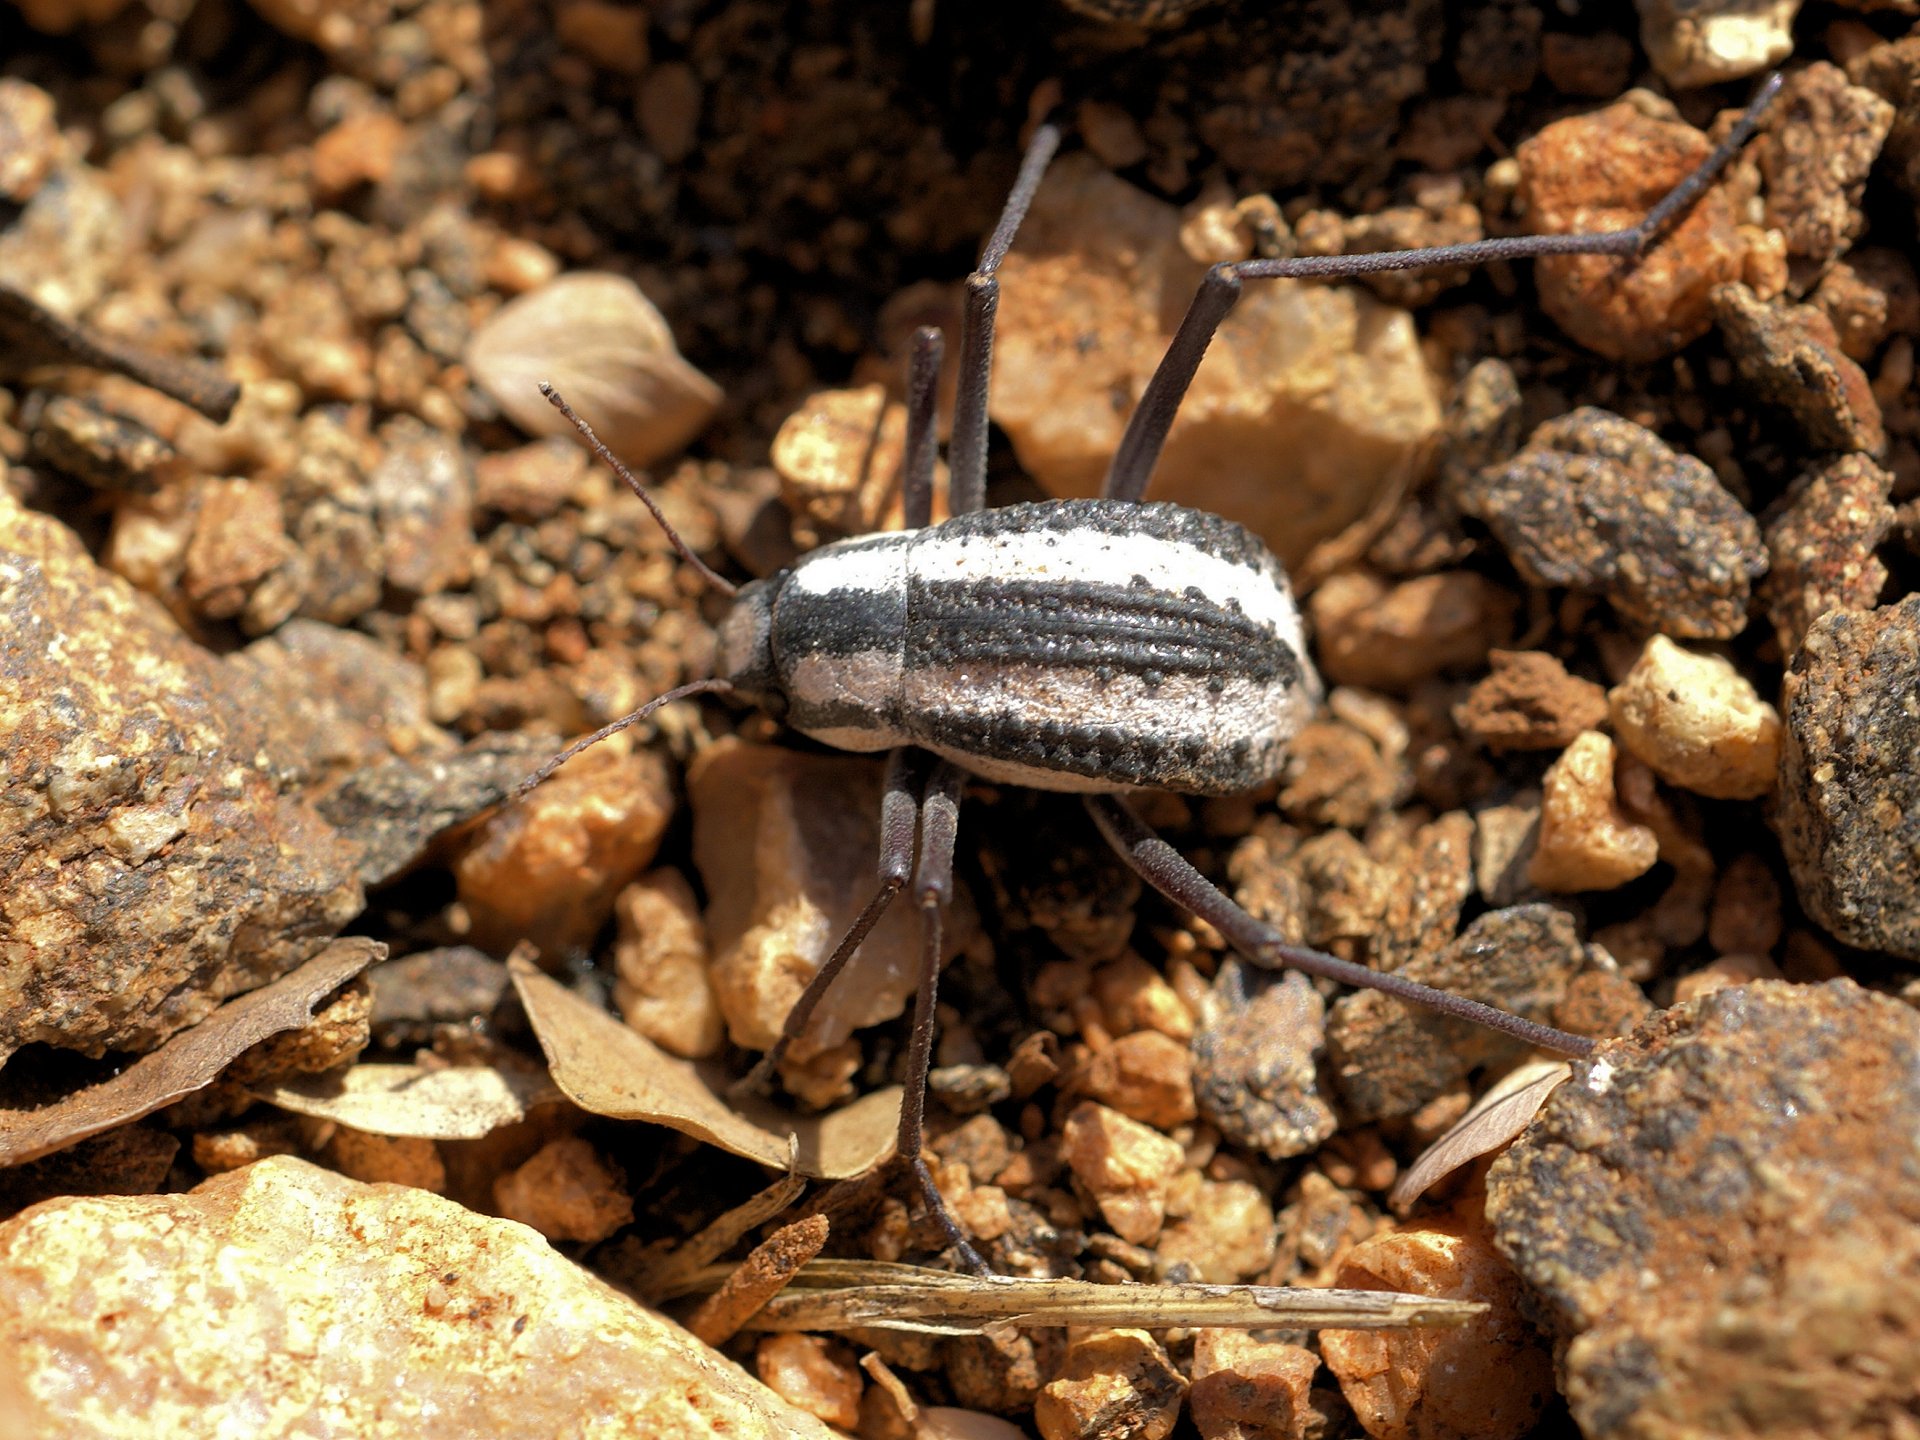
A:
(190, 1061)
(1499, 1115)
(604, 347)
(607, 1069)
(412, 1103)
(855, 1294)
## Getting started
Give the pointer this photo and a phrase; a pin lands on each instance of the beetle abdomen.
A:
(1098, 645)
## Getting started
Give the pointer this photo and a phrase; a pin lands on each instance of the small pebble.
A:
(1146, 1076)
(1586, 840)
(1717, 1218)
(1604, 171)
(1125, 1166)
(1225, 1236)
(1817, 142)
(30, 143)
(1698, 722)
(1848, 812)
(1594, 503)
(1704, 42)
(1112, 1385)
(660, 959)
(1791, 357)
(566, 1192)
(1489, 1379)
(1822, 538)
(838, 457)
(547, 868)
(1393, 636)
(812, 1373)
(1254, 1072)
(1250, 1389)
(1528, 701)
(387, 1160)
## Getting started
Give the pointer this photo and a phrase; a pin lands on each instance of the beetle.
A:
(1100, 646)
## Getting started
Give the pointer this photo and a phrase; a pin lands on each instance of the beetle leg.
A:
(1166, 870)
(899, 824)
(923, 444)
(933, 888)
(1146, 433)
(967, 455)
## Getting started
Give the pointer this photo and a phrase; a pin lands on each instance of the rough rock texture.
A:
(1821, 537)
(1586, 839)
(1390, 1057)
(1111, 1383)
(1124, 1165)
(284, 1300)
(1722, 1216)
(153, 860)
(1698, 722)
(1596, 502)
(1848, 814)
(1817, 143)
(1312, 399)
(1791, 358)
(1607, 170)
(1254, 1072)
(1391, 637)
(1528, 701)
(1490, 1379)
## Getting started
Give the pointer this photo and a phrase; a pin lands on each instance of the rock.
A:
(1822, 536)
(62, 249)
(1112, 1385)
(1698, 722)
(1594, 67)
(1124, 1166)
(114, 453)
(1703, 42)
(1892, 71)
(1254, 1073)
(1248, 1389)
(422, 492)
(1391, 637)
(530, 482)
(1718, 1215)
(1528, 701)
(1592, 503)
(1604, 171)
(1817, 142)
(1586, 840)
(1504, 838)
(1311, 401)
(30, 143)
(1871, 294)
(176, 1315)
(1146, 1076)
(566, 1191)
(660, 957)
(1489, 1379)
(386, 1159)
(1848, 813)
(1225, 1235)
(1791, 359)
(839, 457)
(153, 858)
(239, 540)
(606, 349)
(417, 994)
(814, 1374)
(546, 868)
(809, 825)
(1390, 1058)
(611, 36)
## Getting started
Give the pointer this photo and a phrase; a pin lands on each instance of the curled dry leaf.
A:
(598, 341)
(607, 1069)
(1495, 1119)
(410, 1102)
(190, 1061)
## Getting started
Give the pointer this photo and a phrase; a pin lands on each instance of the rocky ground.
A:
(1611, 571)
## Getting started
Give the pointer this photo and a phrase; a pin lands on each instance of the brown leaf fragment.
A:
(190, 1061)
(411, 1102)
(761, 1276)
(1495, 1119)
(608, 1069)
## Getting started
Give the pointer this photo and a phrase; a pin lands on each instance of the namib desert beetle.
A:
(1092, 646)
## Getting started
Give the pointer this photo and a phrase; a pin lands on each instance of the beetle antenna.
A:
(697, 687)
(707, 572)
